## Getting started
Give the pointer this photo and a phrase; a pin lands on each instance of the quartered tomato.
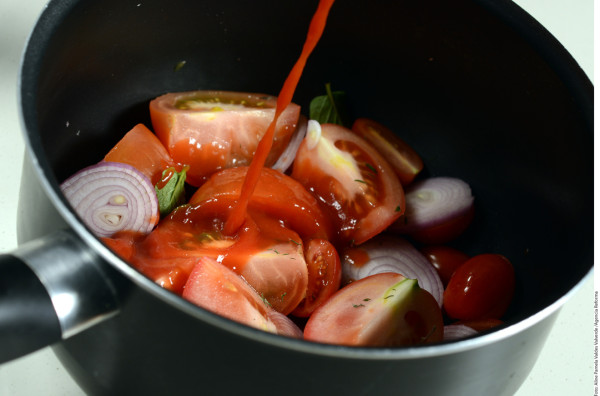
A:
(216, 288)
(404, 160)
(324, 275)
(214, 130)
(141, 149)
(481, 288)
(383, 310)
(357, 187)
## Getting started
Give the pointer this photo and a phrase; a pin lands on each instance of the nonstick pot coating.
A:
(479, 90)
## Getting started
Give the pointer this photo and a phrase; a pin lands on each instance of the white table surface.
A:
(566, 364)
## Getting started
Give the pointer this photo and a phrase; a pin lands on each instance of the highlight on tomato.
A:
(403, 158)
(382, 310)
(445, 260)
(215, 130)
(353, 182)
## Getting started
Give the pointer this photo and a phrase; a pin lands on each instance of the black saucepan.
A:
(477, 87)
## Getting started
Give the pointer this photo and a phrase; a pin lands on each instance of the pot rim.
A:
(507, 11)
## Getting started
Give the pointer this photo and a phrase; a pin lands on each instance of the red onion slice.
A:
(284, 325)
(111, 197)
(289, 154)
(394, 254)
(457, 331)
(434, 201)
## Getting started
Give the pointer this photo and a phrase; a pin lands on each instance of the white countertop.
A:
(566, 364)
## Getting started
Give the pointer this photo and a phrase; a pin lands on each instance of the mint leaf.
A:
(329, 108)
(171, 194)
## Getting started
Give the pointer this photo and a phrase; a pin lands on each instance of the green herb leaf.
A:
(329, 108)
(173, 193)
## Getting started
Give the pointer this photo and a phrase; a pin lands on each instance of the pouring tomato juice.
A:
(255, 244)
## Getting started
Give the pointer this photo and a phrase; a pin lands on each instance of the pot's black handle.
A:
(28, 321)
(50, 289)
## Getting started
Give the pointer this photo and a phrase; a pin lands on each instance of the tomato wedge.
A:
(141, 149)
(382, 310)
(404, 159)
(324, 275)
(214, 130)
(218, 289)
(358, 188)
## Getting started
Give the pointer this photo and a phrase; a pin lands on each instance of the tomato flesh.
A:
(324, 275)
(380, 310)
(481, 288)
(404, 159)
(214, 287)
(141, 149)
(353, 182)
(215, 130)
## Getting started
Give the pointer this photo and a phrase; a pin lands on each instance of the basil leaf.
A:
(173, 193)
(329, 108)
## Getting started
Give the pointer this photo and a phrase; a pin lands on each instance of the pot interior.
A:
(477, 88)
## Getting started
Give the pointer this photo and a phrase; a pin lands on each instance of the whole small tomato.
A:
(445, 260)
(481, 288)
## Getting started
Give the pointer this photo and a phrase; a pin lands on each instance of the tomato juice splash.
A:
(315, 31)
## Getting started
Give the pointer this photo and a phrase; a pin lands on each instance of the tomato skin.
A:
(445, 259)
(354, 184)
(385, 310)
(324, 275)
(215, 130)
(141, 149)
(481, 288)
(404, 159)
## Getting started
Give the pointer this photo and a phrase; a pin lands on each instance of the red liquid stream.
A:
(315, 31)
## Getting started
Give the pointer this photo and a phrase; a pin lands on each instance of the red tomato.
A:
(445, 260)
(481, 288)
(386, 309)
(324, 275)
(404, 160)
(358, 188)
(276, 194)
(214, 130)
(141, 149)
(216, 288)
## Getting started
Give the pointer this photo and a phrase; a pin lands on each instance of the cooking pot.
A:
(477, 87)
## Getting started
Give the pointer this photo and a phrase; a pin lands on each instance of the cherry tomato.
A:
(445, 260)
(358, 188)
(385, 309)
(404, 160)
(481, 288)
(141, 149)
(324, 275)
(214, 130)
